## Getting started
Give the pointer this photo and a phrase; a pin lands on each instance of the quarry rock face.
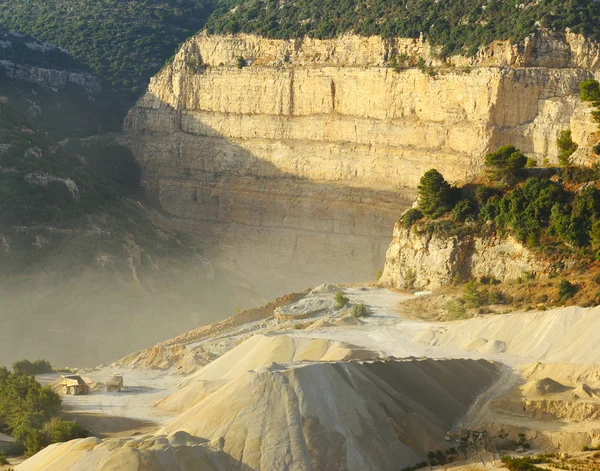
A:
(417, 258)
(279, 148)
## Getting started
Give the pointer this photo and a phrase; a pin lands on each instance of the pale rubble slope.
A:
(338, 416)
(253, 354)
(177, 452)
(561, 335)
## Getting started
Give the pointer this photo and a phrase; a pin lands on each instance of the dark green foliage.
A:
(589, 90)
(505, 164)
(411, 216)
(531, 163)
(241, 62)
(123, 42)
(566, 147)
(462, 211)
(457, 26)
(3, 459)
(435, 194)
(341, 300)
(595, 236)
(566, 290)
(525, 210)
(577, 174)
(359, 310)
(29, 368)
(472, 295)
(28, 413)
(527, 463)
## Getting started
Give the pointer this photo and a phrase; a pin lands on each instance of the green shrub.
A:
(523, 464)
(462, 211)
(3, 459)
(589, 90)
(505, 164)
(456, 310)
(241, 62)
(341, 300)
(359, 310)
(411, 216)
(495, 296)
(379, 274)
(410, 277)
(566, 147)
(435, 194)
(531, 163)
(37, 367)
(472, 295)
(566, 290)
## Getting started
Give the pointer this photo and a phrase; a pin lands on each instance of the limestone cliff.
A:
(420, 259)
(311, 147)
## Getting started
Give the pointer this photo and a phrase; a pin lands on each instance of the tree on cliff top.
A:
(505, 163)
(435, 194)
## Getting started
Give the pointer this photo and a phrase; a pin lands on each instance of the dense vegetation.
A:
(30, 413)
(62, 205)
(124, 42)
(69, 110)
(32, 368)
(457, 25)
(557, 214)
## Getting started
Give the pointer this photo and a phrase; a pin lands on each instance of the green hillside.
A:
(123, 42)
(458, 25)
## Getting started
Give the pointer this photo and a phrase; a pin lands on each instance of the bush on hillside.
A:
(411, 216)
(341, 300)
(589, 90)
(566, 147)
(463, 210)
(359, 310)
(566, 290)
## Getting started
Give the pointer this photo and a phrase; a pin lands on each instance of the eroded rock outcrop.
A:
(418, 258)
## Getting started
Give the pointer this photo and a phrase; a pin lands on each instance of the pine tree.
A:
(566, 147)
(435, 194)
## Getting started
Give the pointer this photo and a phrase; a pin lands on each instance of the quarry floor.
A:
(384, 331)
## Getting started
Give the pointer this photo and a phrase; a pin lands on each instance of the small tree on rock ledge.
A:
(435, 194)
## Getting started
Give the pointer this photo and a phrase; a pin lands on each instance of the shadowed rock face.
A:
(296, 166)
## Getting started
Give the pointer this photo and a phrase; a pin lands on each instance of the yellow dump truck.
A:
(73, 384)
(114, 382)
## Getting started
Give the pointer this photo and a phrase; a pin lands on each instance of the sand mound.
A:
(583, 391)
(179, 451)
(474, 344)
(543, 387)
(495, 346)
(260, 350)
(338, 416)
(426, 336)
(565, 373)
(253, 354)
(329, 322)
(321, 324)
(567, 334)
